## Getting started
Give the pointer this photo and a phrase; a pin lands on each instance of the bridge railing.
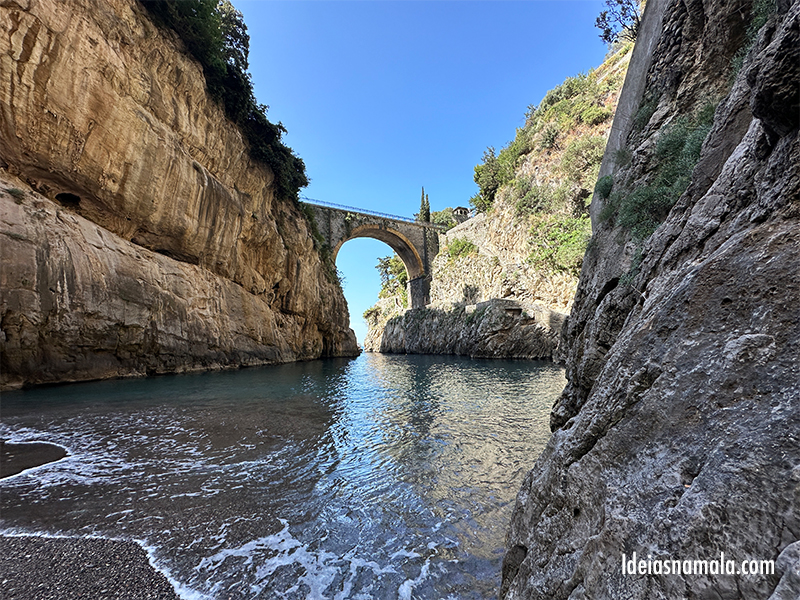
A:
(371, 212)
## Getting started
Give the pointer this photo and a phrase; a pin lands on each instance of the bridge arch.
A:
(403, 247)
(414, 242)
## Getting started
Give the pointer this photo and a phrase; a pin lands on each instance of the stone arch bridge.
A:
(416, 243)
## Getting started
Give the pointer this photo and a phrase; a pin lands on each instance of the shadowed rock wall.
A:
(678, 434)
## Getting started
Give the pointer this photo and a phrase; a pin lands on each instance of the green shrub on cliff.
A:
(372, 313)
(594, 115)
(604, 186)
(444, 217)
(530, 198)
(759, 14)
(492, 173)
(460, 247)
(549, 136)
(563, 128)
(581, 160)
(394, 278)
(646, 110)
(15, 193)
(677, 151)
(558, 244)
(214, 33)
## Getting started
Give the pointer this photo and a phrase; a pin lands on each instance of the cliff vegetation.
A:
(545, 175)
(215, 34)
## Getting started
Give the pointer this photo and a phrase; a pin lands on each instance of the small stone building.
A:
(461, 214)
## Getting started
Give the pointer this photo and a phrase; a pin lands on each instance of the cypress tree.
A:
(424, 208)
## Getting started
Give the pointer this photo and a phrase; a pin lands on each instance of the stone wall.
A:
(499, 268)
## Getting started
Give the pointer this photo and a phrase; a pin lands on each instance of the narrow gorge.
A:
(631, 265)
(677, 434)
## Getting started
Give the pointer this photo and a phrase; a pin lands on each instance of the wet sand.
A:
(15, 458)
(36, 568)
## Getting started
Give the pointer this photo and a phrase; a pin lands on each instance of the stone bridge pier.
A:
(416, 243)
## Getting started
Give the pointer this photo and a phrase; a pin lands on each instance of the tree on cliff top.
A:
(215, 34)
(394, 278)
(489, 175)
(444, 217)
(235, 39)
(619, 21)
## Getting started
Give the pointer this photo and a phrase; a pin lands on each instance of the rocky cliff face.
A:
(677, 435)
(499, 268)
(492, 329)
(106, 118)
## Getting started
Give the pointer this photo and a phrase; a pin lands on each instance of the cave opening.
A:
(68, 199)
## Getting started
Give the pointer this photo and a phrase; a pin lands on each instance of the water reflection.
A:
(375, 477)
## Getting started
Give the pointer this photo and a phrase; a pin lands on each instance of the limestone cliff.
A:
(107, 119)
(498, 269)
(677, 434)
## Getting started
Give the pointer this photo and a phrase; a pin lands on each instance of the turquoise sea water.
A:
(379, 477)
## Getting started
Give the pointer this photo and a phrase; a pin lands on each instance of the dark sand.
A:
(15, 458)
(36, 568)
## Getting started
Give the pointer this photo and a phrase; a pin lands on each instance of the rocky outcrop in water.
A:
(492, 329)
(154, 244)
(678, 434)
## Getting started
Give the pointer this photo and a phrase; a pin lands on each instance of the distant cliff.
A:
(677, 436)
(493, 329)
(525, 246)
(150, 241)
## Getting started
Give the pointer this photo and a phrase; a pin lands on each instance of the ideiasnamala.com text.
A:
(634, 565)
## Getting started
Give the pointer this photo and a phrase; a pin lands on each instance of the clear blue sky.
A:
(381, 98)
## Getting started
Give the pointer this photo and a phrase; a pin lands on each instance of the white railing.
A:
(369, 212)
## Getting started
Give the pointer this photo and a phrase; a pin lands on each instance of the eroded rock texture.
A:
(678, 435)
(496, 328)
(104, 114)
(499, 269)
